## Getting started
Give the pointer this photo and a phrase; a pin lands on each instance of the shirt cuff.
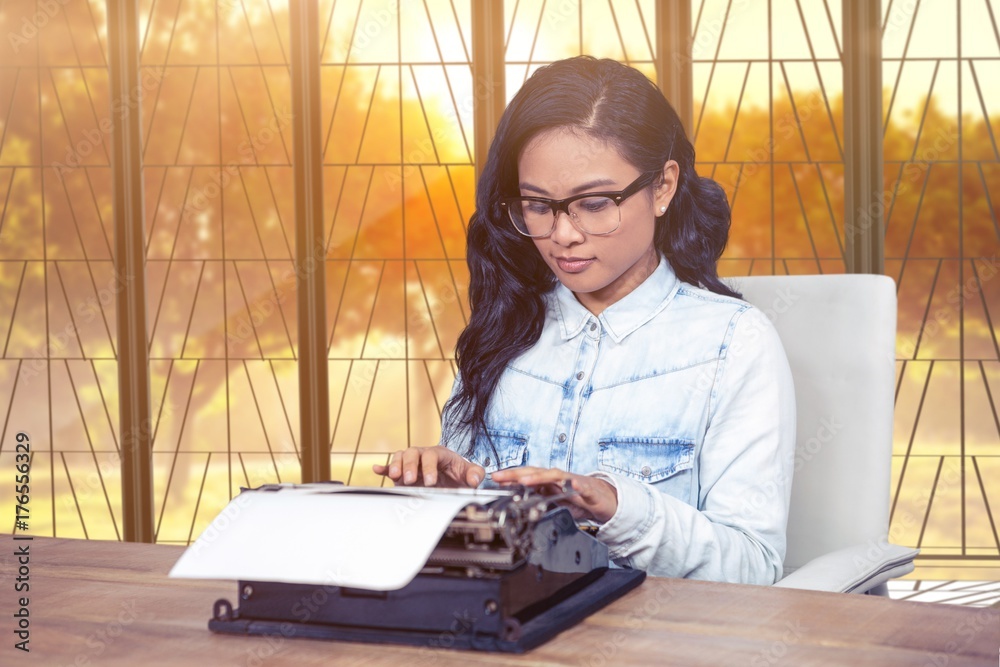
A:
(633, 517)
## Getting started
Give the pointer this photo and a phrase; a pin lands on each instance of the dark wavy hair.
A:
(608, 101)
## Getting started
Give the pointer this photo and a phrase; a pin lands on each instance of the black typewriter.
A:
(511, 570)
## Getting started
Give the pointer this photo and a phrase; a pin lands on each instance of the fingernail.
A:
(429, 480)
(408, 477)
(394, 471)
(476, 479)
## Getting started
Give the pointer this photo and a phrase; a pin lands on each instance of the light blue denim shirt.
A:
(679, 397)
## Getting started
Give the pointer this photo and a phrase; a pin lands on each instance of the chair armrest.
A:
(855, 569)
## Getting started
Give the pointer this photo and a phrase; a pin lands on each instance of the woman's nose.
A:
(565, 232)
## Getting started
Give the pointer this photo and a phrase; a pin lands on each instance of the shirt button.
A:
(579, 376)
(487, 461)
(593, 326)
(646, 471)
(562, 437)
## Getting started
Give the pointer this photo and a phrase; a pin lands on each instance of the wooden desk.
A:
(111, 603)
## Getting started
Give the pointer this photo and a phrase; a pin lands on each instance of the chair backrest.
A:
(839, 334)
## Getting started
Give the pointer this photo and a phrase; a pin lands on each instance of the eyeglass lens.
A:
(594, 215)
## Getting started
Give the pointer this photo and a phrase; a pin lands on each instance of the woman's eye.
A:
(535, 208)
(595, 204)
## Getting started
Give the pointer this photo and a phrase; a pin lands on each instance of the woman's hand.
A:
(594, 498)
(431, 466)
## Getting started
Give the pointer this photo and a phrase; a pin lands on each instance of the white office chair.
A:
(839, 334)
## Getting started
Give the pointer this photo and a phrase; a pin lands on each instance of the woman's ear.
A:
(664, 192)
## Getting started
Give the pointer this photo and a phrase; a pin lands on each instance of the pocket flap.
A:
(510, 450)
(646, 459)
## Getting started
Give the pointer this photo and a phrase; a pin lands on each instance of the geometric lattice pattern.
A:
(58, 369)
(399, 178)
(965, 593)
(942, 183)
(541, 31)
(220, 230)
(768, 127)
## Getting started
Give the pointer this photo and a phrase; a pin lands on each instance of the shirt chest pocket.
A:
(508, 450)
(646, 459)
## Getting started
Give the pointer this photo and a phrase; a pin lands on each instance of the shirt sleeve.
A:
(737, 531)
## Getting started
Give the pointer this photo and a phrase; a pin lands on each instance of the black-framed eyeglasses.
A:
(595, 213)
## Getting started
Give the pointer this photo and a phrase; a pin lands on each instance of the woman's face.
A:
(600, 270)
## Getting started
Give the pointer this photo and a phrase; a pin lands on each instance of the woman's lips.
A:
(574, 264)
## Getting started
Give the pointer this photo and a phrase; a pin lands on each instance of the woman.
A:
(603, 351)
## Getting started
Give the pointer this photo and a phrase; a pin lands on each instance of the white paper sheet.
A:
(337, 536)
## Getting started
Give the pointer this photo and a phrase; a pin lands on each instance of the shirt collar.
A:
(624, 316)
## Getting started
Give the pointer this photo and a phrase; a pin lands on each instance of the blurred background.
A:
(399, 156)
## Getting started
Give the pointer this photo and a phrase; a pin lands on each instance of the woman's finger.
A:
(390, 469)
(474, 474)
(429, 466)
(410, 465)
(516, 475)
(396, 465)
(539, 476)
(458, 471)
(598, 496)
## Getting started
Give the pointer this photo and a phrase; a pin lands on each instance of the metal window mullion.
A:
(130, 298)
(674, 57)
(488, 74)
(310, 249)
(864, 223)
